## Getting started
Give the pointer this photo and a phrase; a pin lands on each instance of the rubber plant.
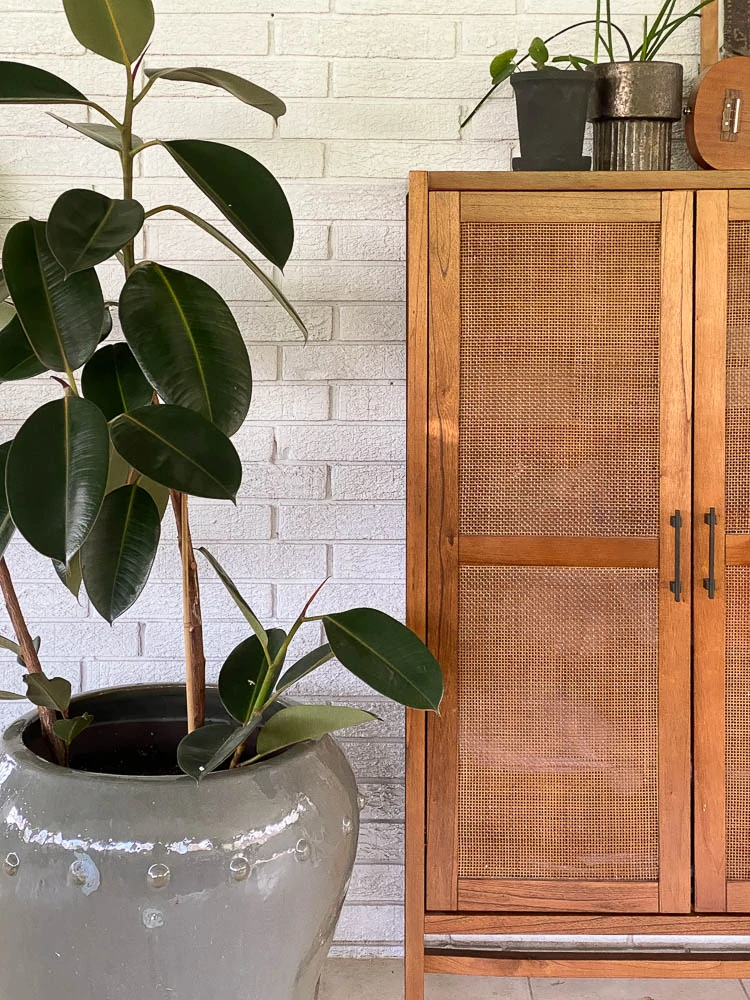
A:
(147, 423)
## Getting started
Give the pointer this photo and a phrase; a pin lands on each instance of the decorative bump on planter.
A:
(302, 850)
(84, 874)
(158, 876)
(239, 868)
(361, 801)
(11, 864)
(152, 919)
(347, 825)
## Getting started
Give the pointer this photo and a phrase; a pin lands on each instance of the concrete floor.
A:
(349, 979)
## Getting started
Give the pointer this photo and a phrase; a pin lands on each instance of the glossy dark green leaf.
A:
(70, 574)
(56, 475)
(304, 666)
(307, 722)
(106, 135)
(107, 325)
(232, 743)
(197, 748)
(23, 84)
(113, 380)
(243, 190)
(86, 228)
(233, 591)
(179, 449)
(48, 692)
(6, 523)
(10, 696)
(187, 342)
(243, 670)
(17, 360)
(116, 29)
(119, 473)
(386, 655)
(237, 86)
(69, 729)
(62, 316)
(117, 557)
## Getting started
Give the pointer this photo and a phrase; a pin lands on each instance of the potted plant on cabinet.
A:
(551, 106)
(167, 839)
(635, 102)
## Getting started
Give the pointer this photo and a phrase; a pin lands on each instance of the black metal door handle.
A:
(676, 585)
(709, 582)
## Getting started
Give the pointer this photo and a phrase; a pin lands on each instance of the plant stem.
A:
(195, 659)
(31, 660)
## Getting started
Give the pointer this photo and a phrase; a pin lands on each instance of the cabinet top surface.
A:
(584, 180)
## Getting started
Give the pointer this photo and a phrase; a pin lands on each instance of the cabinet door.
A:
(560, 354)
(722, 563)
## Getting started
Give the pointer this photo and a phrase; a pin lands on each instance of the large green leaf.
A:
(243, 190)
(200, 746)
(116, 29)
(17, 360)
(6, 522)
(48, 692)
(233, 591)
(106, 135)
(187, 342)
(56, 475)
(113, 380)
(243, 670)
(86, 228)
(24, 84)
(179, 449)
(62, 316)
(386, 655)
(11, 696)
(237, 86)
(304, 666)
(307, 722)
(117, 557)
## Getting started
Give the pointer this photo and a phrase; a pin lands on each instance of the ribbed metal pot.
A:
(633, 107)
(117, 887)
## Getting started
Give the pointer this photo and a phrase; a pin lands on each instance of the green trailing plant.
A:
(654, 36)
(144, 424)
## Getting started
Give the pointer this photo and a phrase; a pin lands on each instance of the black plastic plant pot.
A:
(551, 105)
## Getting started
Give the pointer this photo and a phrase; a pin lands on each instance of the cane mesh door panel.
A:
(558, 745)
(555, 582)
(737, 619)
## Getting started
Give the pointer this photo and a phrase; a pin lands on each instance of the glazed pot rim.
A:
(14, 746)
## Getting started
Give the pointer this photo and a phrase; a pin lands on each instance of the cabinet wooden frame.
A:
(436, 900)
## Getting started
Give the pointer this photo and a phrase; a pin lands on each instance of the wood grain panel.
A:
(553, 894)
(590, 180)
(416, 574)
(526, 550)
(738, 897)
(737, 549)
(584, 923)
(709, 35)
(562, 206)
(739, 205)
(676, 407)
(442, 571)
(592, 966)
(709, 489)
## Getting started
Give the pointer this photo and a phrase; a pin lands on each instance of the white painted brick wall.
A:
(374, 88)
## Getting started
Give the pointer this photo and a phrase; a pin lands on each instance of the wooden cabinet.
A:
(579, 561)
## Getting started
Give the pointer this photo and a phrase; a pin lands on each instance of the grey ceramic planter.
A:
(116, 888)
